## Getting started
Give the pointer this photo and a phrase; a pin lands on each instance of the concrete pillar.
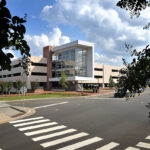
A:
(47, 53)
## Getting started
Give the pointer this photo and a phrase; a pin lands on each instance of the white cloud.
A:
(37, 42)
(117, 60)
(103, 23)
(122, 38)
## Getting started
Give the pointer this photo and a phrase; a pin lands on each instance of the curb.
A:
(24, 112)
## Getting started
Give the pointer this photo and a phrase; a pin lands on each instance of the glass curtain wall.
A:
(72, 62)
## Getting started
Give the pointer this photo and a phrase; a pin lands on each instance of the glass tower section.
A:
(71, 61)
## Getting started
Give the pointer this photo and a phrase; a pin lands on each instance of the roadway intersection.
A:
(86, 123)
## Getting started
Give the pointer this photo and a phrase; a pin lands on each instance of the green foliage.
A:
(9, 86)
(134, 7)
(34, 85)
(25, 63)
(3, 86)
(63, 81)
(137, 73)
(12, 33)
(111, 82)
(19, 84)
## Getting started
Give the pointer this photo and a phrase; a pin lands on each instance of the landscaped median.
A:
(51, 94)
(38, 96)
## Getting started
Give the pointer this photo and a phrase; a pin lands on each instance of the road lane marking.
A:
(107, 98)
(36, 101)
(33, 122)
(37, 126)
(24, 120)
(143, 145)
(50, 105)
(132, 148)
(53, 135)
(81, 144)
(45, 130)
(66, 139)
(148, 138)
(108, 146)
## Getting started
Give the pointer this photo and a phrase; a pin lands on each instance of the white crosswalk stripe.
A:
(148, 138)
(53, 135)
(108, 146)
(37, 126)
(44, 130)
(132, 148)
(66, 139)
(143, 145)
(81, 144)
(32, 122)
(24, 120)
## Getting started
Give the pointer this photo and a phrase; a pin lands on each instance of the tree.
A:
(111, 82)
(9, 86)
(63, 80)
(25, 63)
(137, 73)
(12, 33)
(3, 86)
(19, 84)
(134, 7)
(34, 85)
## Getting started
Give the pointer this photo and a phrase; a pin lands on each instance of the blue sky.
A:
(55, 22)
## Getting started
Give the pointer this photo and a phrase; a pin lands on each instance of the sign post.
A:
(23, 91)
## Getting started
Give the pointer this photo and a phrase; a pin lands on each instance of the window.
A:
(38, 64)
(17, 65)
(72, 61)
(113, 70)
(43, 84)
(114, 77)
(98, 69)
(0, 76)
(4, 76)
(9, 75)
(98, 77)
(38, 74)
(17, 74)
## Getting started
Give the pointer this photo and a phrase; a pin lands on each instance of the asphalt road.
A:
(86, 123)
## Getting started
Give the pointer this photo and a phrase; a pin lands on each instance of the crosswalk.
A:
(52, 134)
(141, 145)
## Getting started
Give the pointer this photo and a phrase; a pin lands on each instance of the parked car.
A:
(140, 90)
(120, 93)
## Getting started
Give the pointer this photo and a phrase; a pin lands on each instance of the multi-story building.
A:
(37, 72)
(76, 59)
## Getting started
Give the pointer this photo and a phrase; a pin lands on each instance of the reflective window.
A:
(72, 62)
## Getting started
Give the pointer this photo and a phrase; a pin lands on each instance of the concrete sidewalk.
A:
(10, 113)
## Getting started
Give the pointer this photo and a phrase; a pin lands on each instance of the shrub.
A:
(34, 85)
(19, 84)
(9, 86)
(3, 86)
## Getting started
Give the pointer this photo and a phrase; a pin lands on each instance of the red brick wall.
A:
(47, 53)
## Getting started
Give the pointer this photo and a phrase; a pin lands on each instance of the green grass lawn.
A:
(51, 95)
